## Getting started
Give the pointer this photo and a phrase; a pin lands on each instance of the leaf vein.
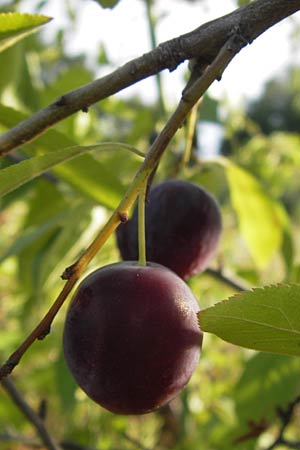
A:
(263, 324)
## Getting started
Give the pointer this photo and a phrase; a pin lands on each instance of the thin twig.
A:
(191, 133)
(24, 440)
(204, 44)
(151, 24)
(66, 445)
(33, 418)
(285, 416)
(31, 443)
(219, 275)
(256, 428)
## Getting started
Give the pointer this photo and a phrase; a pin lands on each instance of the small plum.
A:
(183, 228)
(131, 337)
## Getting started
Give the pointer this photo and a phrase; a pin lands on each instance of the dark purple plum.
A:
(183, 228)
(131, 337)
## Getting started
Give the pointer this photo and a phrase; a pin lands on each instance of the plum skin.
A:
(183, 228)
(131, 338)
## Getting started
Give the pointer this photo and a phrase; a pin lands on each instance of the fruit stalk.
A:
(183, 223)
(190, 132)
(141, 226)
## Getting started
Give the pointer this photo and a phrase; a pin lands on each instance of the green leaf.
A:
(66, 244)
(268, 382)
(88, 175)
(16, 175)
(102, 55)
(256, 396)
(243, 2)
(107, 3)
(11, 65)
(265, 319)
(259, 218)
(93, 179)
(15, 26)
(288, 251)
(30, 235)
(65, 384)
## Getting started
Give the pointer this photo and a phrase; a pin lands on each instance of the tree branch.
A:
(31, 443)
(256, 428)
(33, 418)
(219, 275)
(286, 416)
(204, 43)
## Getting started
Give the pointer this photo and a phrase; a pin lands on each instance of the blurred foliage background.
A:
(46, 223)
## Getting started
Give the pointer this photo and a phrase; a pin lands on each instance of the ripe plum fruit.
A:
(183, 228)
(131, 337)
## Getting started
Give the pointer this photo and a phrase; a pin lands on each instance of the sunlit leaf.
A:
(92, 178)
(102, 55)
(16, 175)
(96, 180)
(15, 26)
(265, 319)
(258, 215)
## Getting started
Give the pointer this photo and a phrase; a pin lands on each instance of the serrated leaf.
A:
(265, 319)
(15, 26)
(258, 215)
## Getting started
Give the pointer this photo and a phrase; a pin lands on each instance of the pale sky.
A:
(124, 32)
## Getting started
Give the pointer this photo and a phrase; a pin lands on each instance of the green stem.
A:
(141, 225)
(152, 23)
(30, 414)
(190, 132)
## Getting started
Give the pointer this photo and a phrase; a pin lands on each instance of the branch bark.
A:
(203, 43)
(32, 417)
(286, 416)
(219, 275)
